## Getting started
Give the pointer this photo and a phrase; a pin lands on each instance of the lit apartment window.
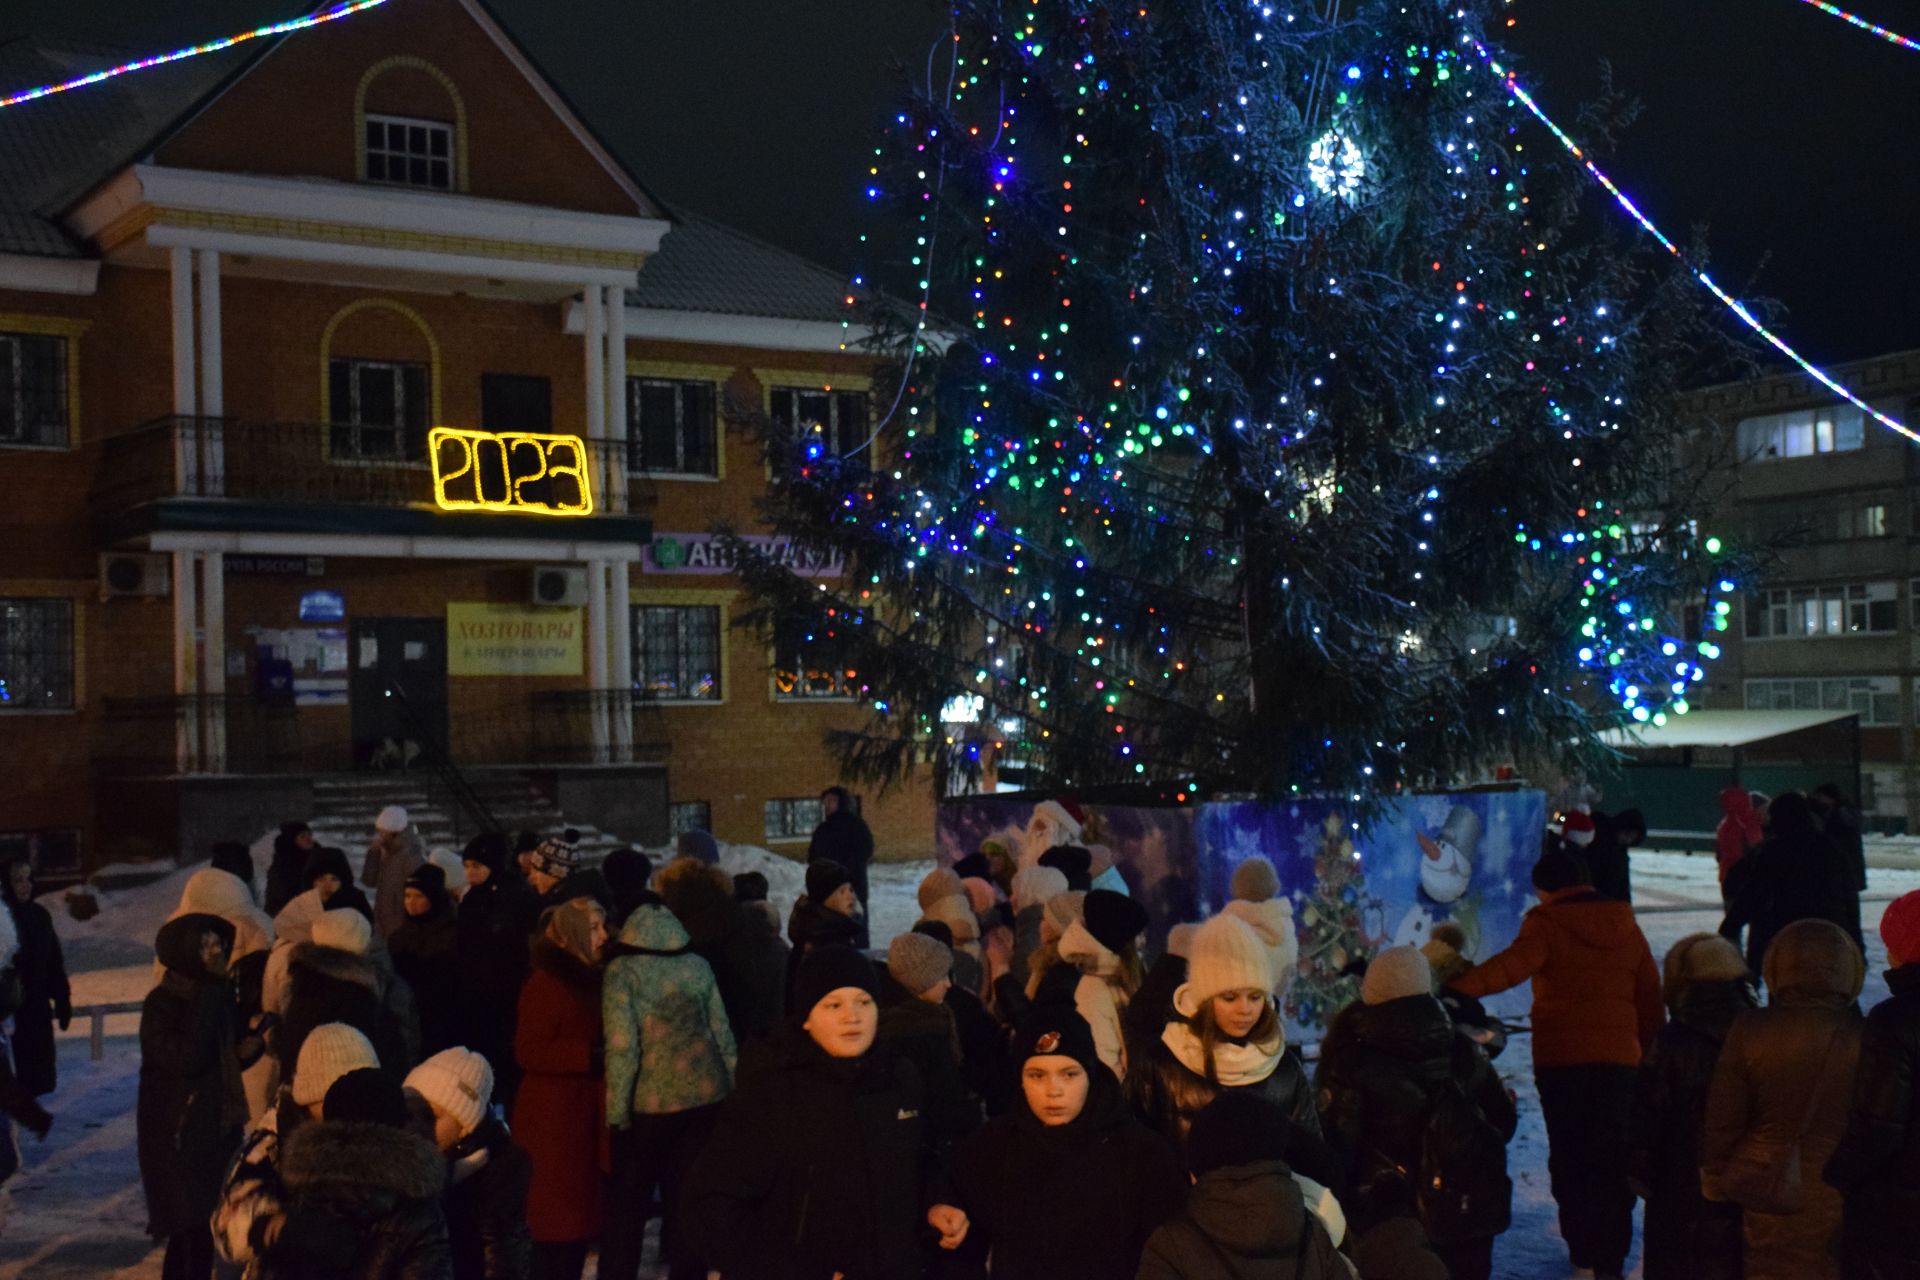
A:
(1876, 699)
(1802, 433)
(410, 153)
(792, 819)
(676, 652)
(36, 654)
(674, 430)
(810, 661)
(33, 389)
(1856, 609)
(838, 418)
(1861, 522)
(379, 410)
(689, 815)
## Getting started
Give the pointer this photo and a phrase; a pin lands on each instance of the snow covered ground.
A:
(75, 1210)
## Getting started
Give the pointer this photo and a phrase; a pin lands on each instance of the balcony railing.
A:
(308, 463)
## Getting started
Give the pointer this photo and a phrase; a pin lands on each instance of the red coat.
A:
(559, 1114)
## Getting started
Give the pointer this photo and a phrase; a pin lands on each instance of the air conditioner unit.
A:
(135, 573)
(559, 584)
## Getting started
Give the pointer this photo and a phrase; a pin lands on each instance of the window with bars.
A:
(689, 815)
(33, 389)
(36, 654)
(410, 153)
(837, 420)
(379, 410)
(673, 428)
(54, 853)
(792, 819)
(810, 661)
(1853, 609)
(1876, 699)
(676, 652)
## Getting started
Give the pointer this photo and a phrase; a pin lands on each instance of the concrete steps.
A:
(344, 810)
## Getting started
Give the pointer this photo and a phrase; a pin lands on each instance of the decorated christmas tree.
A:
(1279, 411)
(1339, 923)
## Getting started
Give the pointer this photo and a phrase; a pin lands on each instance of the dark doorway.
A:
(515, 402)
(398, 692)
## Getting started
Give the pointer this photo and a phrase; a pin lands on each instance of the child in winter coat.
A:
(1246, 1217)
(1225, 1035)
(560, 1110)
(1782, 1090)
(821, 917)
(426, 953)
(332, 979)
(915, 1023)
(1877, 1167)
(1386, 1066)
(817, 1161)
(215, 892)
(1067, 1185)
(395, 853)
(487, 1175)
(670, 1062)
(1685, 1235)
(191, 1108)
(1103, 946)
(363, 1191)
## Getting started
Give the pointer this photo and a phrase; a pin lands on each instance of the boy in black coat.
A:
(486, 1201)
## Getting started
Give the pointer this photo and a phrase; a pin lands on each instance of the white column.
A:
(616, 393)
(621, 659)
(592, 302)
(213, 396)
(213, 659)
(185, 655)
(186, 463)
(597, 651)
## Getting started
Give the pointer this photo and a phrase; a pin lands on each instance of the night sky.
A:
(1788, 134)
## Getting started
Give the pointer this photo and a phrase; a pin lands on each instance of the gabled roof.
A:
(703, 266)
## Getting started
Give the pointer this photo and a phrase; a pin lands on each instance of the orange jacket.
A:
(1596, 990)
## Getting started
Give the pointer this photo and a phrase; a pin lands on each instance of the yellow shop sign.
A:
(512, 640)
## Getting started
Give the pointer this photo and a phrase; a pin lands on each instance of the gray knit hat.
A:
(917, 962)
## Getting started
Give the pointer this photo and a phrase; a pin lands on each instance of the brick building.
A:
(240, 298)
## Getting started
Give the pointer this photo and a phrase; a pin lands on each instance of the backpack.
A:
(1462, 1191)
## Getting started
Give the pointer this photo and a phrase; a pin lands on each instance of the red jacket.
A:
(1596, 991)
(1738, 832)
(559, 1114)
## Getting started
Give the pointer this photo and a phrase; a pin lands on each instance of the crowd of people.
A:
(497, 1076)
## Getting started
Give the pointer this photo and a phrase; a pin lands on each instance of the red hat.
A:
(1577, 828)
(1900, 929)
(1073, 809)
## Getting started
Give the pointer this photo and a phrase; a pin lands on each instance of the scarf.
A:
(1235, 1064)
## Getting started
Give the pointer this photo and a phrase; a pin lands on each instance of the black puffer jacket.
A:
(1686, 1236)
(486, 1206)
(1797, 873)
(1167, 1095)
(1380, 1067)
(496, 917)
(364, 1203)
(1877, 1167)
(1247, 1222)
(327, 985)
(426, 953)
(816, 1165)
(1072, 1202)
(926, 1035)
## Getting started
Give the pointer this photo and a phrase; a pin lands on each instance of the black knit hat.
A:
(938, 930)
(828, 969)
(974, 865)
(430, 880)
(1559, 869)
(489, 849)
(1237, 1127)
(1055, 1029)
(750, 886)
(367, 1096)
(1073, 862)
(1113, 919)
(627, 872)
(823, 878)
(327, 860)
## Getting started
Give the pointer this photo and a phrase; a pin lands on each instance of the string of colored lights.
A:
(1854, 19)
(1647, 224)
(344, 10)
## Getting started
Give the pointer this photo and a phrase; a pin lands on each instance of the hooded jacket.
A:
(756, 957)
(669, 1045)
(426, 954)
(1685, 1236)
(1797, 873)
(1069, 1202)
(1246, 1222)
(46, 996)
(363, 1202)
(1797, 1053)
(810, 925)
(1877, 1166)
(328, 985)
(191, 1108)
(486, 1205)
(1596, 990)
(391, 858)
(816, 1165)
(928, 1035)
(286, 874)
(1739, 831)
(490, 936)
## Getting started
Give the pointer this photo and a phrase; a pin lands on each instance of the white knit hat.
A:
(330, 1051)
(1272, 923)
(392, 820)
(1036, 886)
(1226, 956)
(458, 1082)
(343, 930)
(1065, 909)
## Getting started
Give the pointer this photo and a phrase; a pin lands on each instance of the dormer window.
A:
(410, 153)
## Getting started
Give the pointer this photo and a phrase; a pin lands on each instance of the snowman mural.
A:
(1446, 874)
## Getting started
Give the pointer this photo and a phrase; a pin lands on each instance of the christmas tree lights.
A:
(1854, 19)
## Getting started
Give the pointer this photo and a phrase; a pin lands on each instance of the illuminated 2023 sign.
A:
(514, 471)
